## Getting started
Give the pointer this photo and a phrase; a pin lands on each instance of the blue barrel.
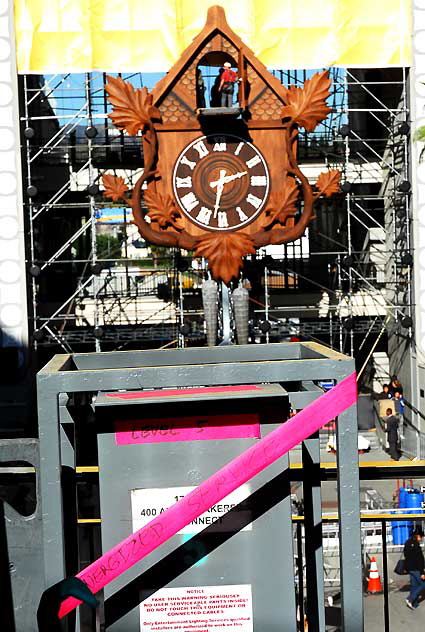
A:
(402, 493)
(410, 500)
(414, 501)
(401, 530)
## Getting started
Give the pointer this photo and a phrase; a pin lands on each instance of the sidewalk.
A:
(401, 618)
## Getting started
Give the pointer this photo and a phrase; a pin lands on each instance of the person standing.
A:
(414, 565)
(391, 428)
(385, 394)
(200, 89)
(227, 85)
(399, 402)
(215, 96)
(395, 385)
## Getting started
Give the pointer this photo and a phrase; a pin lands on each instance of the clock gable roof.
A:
(216, 24)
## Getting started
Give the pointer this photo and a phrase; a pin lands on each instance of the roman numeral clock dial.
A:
(221, 182)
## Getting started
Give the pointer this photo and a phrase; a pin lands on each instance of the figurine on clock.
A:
(221, 182)
(228, 80)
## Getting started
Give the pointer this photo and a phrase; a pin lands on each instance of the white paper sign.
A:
(146, 504)
(198, 609)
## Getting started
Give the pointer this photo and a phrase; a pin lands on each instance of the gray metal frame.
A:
(247, 364)
(24, 536)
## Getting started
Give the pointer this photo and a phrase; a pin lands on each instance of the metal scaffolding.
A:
(344, 284)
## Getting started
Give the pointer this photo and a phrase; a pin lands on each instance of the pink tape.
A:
(139, 544)
(185, 391)
(187, 429)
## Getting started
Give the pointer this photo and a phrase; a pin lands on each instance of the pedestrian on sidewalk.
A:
(414, 565)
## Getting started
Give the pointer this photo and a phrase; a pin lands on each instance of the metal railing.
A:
(414, 438)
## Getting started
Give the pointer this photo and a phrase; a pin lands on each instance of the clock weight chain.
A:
(226, 315)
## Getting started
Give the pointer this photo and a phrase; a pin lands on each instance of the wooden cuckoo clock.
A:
(220, 181)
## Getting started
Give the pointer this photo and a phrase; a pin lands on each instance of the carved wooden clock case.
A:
(221, 182)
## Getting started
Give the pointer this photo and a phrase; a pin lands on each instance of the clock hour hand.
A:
(235, 176)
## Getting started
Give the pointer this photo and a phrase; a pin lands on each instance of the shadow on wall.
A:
(17, 395)
(13, 360)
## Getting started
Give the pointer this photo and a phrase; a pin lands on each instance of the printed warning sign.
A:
(150, 503)
(198, 609)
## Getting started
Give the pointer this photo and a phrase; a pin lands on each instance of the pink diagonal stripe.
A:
(244, 467)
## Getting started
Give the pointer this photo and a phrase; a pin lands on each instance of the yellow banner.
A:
(149, 36)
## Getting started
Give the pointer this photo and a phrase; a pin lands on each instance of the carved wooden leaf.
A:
(307, 105)
(224, 253)
(282, 204)
(115, 187)
(328, 182)
(132, 108)
(162, 209)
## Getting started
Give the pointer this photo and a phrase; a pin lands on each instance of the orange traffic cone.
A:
(374, 582)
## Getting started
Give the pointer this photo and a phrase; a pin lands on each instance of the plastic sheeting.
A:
(141, 36)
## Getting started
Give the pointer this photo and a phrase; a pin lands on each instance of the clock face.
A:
(221, 182)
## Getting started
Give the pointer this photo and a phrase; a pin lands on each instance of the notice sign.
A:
(150, 503)
(198, 609)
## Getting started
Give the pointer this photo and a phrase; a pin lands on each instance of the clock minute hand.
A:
(220, 185)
